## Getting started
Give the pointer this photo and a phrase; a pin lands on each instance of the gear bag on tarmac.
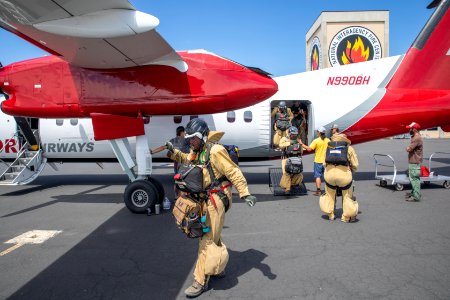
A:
(337, 153)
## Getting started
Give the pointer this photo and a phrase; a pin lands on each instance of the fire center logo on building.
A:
(354, 44)
(315, 55)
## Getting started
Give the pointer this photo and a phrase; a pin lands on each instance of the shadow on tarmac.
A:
(128, 257)
(239, 264)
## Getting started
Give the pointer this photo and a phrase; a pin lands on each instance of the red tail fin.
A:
(426, 65)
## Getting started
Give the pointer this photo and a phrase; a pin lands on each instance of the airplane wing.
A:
(100, 34)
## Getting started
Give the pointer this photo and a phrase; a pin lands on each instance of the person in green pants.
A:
(415, 158)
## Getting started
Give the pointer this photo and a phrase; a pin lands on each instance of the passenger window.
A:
(73, 122)
(231, 116)
(59, 122)
(193, 117)
(177, 119)
(248, 116)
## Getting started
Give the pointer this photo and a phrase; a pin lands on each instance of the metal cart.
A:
(399, 180)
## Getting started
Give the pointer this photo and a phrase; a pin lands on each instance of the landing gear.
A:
(139, 195)
(143, 192)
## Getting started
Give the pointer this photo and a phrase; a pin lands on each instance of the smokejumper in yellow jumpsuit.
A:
(338, 173)
(291, 148)
(282, 116)
(200, 138)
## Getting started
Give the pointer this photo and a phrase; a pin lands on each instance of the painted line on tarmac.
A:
(30, 237)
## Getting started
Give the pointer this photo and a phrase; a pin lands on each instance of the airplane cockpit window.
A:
(73, 122)
(231, 116)
(177, 119)
(193, 117)
(59, 122)
(248, 116)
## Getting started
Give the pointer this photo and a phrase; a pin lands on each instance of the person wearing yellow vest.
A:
(203, 142)
(319, 146)
(340, 163)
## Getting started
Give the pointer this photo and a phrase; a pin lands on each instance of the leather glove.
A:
(250, 200)
(169, 146)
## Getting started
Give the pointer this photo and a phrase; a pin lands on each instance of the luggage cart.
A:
(274, 184)
(399, 180)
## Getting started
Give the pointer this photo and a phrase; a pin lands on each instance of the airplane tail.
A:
(426, 65)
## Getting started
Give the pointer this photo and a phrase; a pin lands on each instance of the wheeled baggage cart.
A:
(400, 180)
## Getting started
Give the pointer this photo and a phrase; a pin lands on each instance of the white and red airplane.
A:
(109, 64)
(369, 100)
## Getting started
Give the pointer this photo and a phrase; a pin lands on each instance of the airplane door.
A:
(300, 114)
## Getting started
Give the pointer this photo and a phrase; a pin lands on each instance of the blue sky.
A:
(267, 34)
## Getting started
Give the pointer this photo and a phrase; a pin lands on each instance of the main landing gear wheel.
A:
(446, 185)
(159, 188)
(399, 187)
(139, 195)
(383, 183)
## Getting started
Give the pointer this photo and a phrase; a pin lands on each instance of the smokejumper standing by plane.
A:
(370, 100)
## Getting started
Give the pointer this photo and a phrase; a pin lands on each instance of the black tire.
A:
(446, 185)
(383, 183)
(139, 195)
(159, 188)
(399, 187)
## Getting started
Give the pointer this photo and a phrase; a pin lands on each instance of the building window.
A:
(248, 116)
(73, 122)
(231, 116)
(59, 122)
(177, 119)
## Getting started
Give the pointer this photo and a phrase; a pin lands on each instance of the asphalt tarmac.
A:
(283, 248)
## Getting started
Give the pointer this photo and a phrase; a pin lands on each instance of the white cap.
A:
(321, 129)
(335, 126)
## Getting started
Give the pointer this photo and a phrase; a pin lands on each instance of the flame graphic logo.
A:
(356, 53)
(315, 60)
(354, 44)
(315, 56)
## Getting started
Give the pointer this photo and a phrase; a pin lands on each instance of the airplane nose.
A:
(264, 87)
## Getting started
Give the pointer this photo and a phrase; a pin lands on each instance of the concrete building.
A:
(344, 37)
